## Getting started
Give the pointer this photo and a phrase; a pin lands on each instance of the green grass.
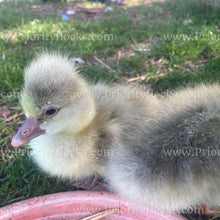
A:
(180, 50)
(21, 179)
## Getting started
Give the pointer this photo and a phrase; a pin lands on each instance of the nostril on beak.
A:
(26, 132)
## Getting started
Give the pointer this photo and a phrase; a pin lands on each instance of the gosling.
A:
(151, 151)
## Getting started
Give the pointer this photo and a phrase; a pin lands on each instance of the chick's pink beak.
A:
(28, 131)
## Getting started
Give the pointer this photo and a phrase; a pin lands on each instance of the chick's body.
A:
(176, 164)
(139, 143)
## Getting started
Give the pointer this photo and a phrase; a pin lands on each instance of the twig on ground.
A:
(108, 67)
(101, 214)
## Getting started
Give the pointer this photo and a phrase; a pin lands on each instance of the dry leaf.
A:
(4, 111)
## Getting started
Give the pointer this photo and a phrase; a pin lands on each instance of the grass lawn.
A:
(161, 44)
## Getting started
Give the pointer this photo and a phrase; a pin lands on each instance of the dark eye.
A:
(50, 112)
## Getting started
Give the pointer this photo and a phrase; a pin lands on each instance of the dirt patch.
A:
(82, 13)
(91, 12)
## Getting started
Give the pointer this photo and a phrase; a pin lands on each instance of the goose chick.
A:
(176, 164)
(73, 126)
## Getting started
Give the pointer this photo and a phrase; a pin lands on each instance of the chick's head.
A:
(55, 99)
